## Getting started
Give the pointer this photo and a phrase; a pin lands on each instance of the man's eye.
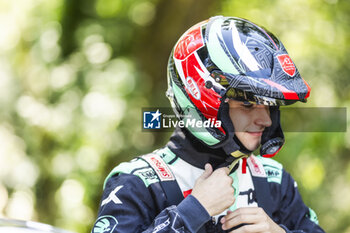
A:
(247, 105)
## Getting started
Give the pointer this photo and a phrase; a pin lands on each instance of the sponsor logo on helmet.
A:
(189, 43)
(193, 88)
(160, 167)
(105, 224)
(286, 64)
(151, 120)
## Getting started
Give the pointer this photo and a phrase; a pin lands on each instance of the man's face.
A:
(249, 121)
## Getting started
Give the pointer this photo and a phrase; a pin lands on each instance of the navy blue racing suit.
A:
(136, 193)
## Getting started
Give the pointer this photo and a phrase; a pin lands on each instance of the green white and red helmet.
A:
(232, 58)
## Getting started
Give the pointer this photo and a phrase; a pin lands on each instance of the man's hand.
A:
(255, 218)
(214, 190)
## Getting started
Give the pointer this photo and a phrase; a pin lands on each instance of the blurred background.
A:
(74, 75)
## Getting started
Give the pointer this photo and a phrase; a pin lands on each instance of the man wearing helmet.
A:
(206, 179)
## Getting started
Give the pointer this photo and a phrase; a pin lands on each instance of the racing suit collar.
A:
(190, 149)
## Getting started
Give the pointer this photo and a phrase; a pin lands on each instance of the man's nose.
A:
(263, 116)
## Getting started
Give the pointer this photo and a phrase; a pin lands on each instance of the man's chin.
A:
(253, 147)
(251, 143)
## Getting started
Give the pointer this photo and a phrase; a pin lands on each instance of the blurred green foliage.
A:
(75, 74)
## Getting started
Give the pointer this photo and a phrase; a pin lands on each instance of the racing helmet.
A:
(231, 58)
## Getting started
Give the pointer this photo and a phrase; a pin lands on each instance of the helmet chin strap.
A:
(231, 145)
(272, 139)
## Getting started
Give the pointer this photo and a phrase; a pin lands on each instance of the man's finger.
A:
(250, 228)
(245, 210)
(225, 169)
(241, 211)
(228, 223)
(207, 172)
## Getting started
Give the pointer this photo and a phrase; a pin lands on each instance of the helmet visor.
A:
(237, 88)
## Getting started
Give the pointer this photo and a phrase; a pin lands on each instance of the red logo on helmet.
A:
(287, 64)
(189, 43)
(193, 88)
